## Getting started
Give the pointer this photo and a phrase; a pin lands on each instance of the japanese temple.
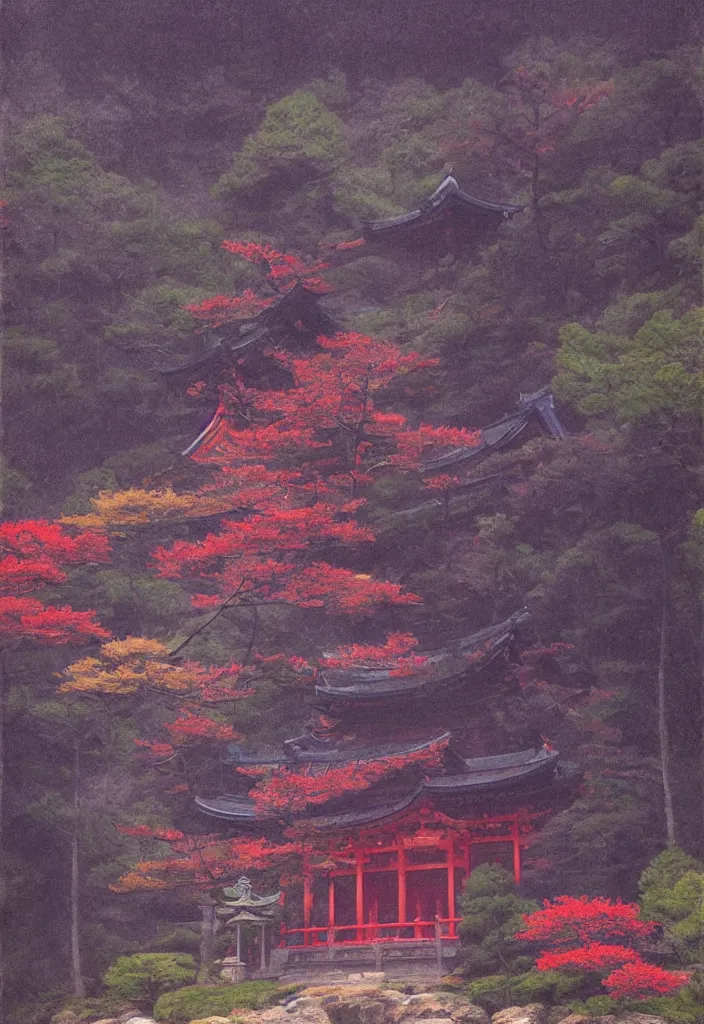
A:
(384, 867)
(535, 415)
(447, 212)
(293, 317)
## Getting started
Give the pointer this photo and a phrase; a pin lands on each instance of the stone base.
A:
(396, 959)
(232, 970)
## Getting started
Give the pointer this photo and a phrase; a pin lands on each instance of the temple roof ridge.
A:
(497, 435)
(369, 683)
(299, 305)
(235, 755)
(447, 199)
(515, 773)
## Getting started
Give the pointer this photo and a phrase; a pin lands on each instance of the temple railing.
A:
(442, 928)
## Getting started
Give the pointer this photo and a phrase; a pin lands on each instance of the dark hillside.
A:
(136, 137)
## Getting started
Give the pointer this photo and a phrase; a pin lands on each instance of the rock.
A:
(557, 1014)
(212, 1020)
(374, 975)
(369, 1009)
(427, 1005)
(636, 1018)
(105, 1020)
(581, 1018)
(533, 1013)
(468, 1013)
(309, 1013)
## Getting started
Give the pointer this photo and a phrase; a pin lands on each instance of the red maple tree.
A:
(292, 462)
(34, 554)
(579, 929)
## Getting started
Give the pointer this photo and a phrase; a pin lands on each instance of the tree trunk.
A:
(663, 733)
(79, 988)
(207, 938)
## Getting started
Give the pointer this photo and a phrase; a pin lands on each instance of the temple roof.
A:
(294, 314)
(447, 205)
(537, 407)
(364, 684)
(296, 757)
(481, 775)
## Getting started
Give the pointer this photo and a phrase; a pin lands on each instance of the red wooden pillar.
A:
(401, 853)
(307, 899)
(359, 896)
(451, 883)
(331, 911)
(516, 836)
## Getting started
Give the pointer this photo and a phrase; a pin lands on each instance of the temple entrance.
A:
(426, 899)
(407, 890)
(381, 902)
(344, 889)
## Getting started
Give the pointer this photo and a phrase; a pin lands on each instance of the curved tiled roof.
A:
(498, 435)
(475, 651)
(482, 775)
(448, 198)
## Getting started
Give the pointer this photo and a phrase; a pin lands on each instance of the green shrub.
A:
(145, 976)
(683, 1008)
(177, 939)
(595, 1006)
(197, 1001)
(492, 993)
(299, 138)
(492, 910)
(84, 1009)
(546, 987)
(497, 991)
(672, 890)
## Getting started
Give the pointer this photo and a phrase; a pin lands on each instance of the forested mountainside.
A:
(135, 139)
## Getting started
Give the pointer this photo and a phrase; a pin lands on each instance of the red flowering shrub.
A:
(638, 980)
(578, 929)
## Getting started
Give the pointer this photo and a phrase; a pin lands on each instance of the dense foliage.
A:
(600, 937)
(134, 142)
(196, 1002)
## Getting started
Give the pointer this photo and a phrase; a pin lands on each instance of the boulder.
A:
(557, 1014)
(65, 1017)
(427, 1005)
(631, 1017)
(212, 1020)
(300, 1011)
(533, 1013)
(468, 1013)
(359, 1009)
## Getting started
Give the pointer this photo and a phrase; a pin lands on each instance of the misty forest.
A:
(352, 493)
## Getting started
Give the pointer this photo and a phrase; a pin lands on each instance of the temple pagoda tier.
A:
(535, 414)
(389, 810)
(295, 318)
(387, 865)
(447, 212)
